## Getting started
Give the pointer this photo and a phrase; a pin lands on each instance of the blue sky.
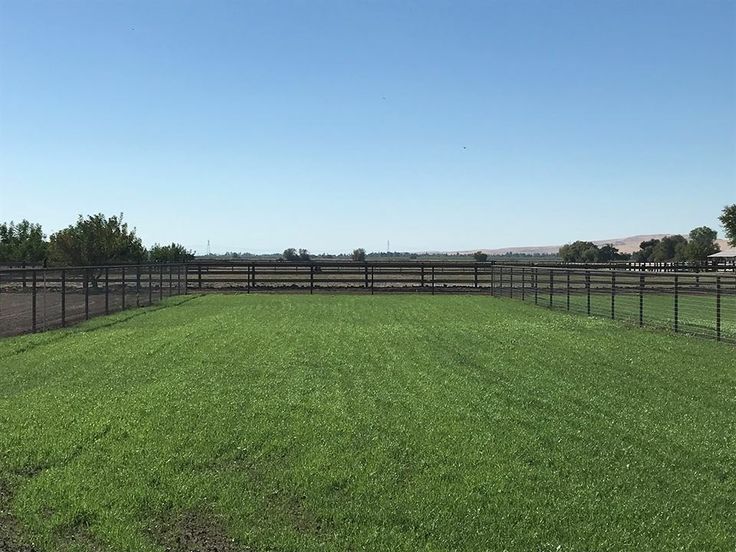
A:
(333, 125)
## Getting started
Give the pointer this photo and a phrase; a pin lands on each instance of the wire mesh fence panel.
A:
(700, 303)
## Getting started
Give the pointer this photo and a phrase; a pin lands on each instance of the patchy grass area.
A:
(297, 423)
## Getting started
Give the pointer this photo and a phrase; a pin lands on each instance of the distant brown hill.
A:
(625, 245)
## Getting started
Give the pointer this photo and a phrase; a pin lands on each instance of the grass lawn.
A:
(403, 423)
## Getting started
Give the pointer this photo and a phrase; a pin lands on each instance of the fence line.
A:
(700, 303)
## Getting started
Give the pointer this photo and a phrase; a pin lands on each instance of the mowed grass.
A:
(299, 423)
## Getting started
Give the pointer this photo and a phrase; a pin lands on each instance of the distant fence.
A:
(699, 303)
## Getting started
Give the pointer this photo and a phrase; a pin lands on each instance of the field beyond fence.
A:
(697, 303)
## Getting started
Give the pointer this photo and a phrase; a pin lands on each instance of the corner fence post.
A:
(475, 276)
(432, 279)
(587, 289)
(122, 278)
(536, 286)
(613, 296)
(567, 291)
(33, 301)
(311, 279)
(63, 298)
(677, 306)
(718, 308)
(641, 299)
(199, 276)
(422, 276)
(107, 290)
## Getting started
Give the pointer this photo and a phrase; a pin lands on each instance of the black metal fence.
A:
(700, 303)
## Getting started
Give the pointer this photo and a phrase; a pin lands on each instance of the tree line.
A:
(98, 240)
(91, 240)
(698, 246)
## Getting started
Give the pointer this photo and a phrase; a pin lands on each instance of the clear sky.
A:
(339, 124)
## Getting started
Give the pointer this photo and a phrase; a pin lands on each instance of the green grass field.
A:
(300, 423)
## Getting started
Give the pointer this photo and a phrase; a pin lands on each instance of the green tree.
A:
(728, 220)
(646, 251)
(669, 248)
(579, 252)
(701, 244)
(304, 255)
(173, 253)
(22, 242)
(609, 253)
(359, 254)
(290, 254)
(480, 257)
(96, 240)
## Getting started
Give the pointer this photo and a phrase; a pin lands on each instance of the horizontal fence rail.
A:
(700, 303)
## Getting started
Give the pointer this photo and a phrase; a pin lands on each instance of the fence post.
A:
(311, 279)
(253, 276)
(107, 290)
(160, 282)
(171, 282)
(150, 284)
(551, 287)
(372, 271)
(718, 308)
(138, 286)
(365, 275)
(178, 279)
(511, 282)
(422, 276)
(33, 301)
(536, 286)
(641, 299)
(186, 279)
(677, 306)
(523, 283)
(199, 276)
(86, 293)
(493, 279)
(567, 273)
(122, 277)
(613, 296)
(475, 276)
(587, 288)
(63, 297)
(432, 279)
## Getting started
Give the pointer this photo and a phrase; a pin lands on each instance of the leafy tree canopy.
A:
(96, 240)
(173, 253)
(701, 244)
(22, 242)
(728, 220)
